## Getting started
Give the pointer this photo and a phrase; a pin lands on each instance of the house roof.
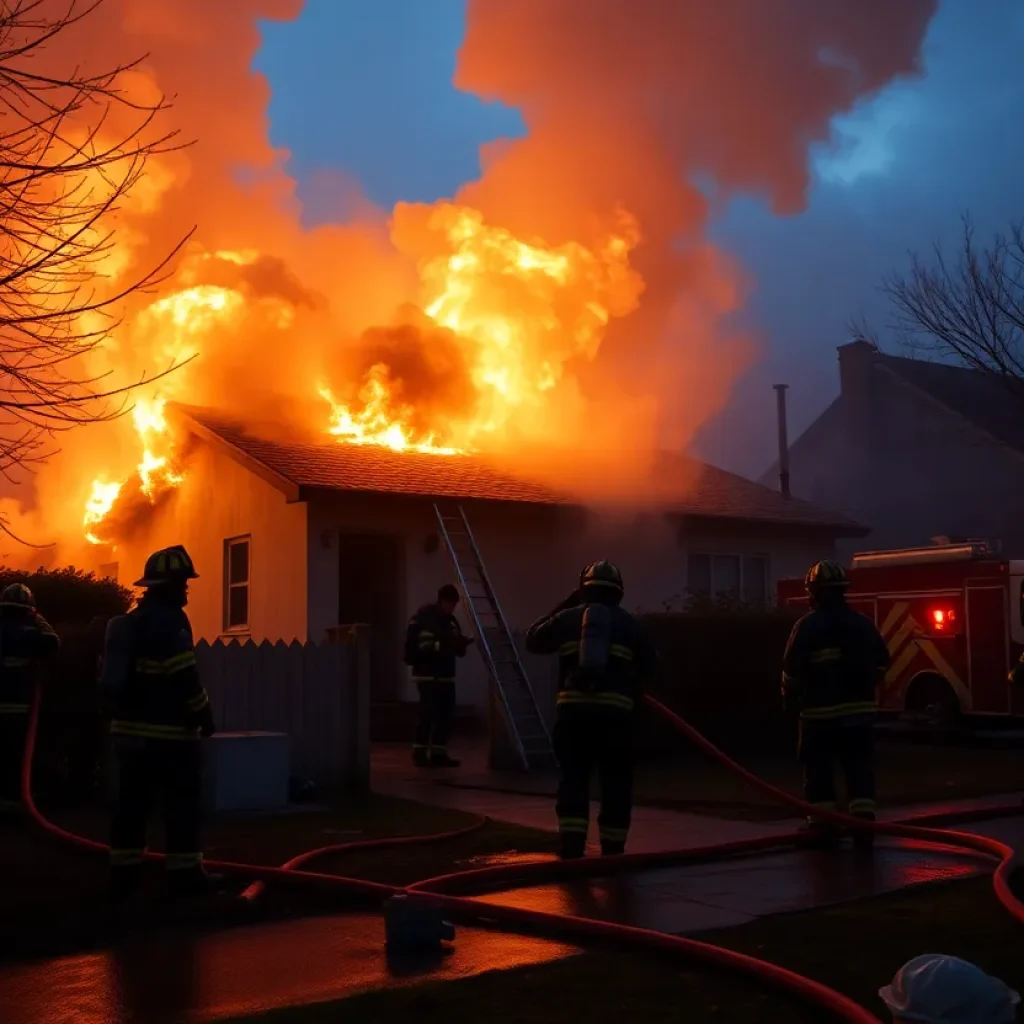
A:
(982, 398)
(687, 487)
(369, 468)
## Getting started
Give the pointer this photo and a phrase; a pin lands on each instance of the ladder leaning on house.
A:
(525, 723)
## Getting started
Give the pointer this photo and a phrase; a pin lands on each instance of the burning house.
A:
(308, 393)
(293, 537)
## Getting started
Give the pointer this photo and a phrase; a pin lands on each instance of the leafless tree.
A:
(73, 144)
(969, 307)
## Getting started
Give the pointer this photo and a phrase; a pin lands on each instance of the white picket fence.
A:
(316, 693)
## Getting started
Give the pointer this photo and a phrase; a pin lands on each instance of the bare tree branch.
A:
(969, 307)
(72, 147)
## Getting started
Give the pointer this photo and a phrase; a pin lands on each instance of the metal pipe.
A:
(780, 396)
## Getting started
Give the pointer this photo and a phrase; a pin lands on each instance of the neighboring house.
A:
(292, 539)
(918, 450)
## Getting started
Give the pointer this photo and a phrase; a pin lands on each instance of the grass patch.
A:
(54, 899)
(907, 774)
(854, 948)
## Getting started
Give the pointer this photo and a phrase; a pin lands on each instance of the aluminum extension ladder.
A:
(525, 723)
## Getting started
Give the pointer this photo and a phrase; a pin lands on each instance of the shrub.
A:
(71, 596)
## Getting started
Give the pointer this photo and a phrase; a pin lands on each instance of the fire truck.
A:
(952, 616)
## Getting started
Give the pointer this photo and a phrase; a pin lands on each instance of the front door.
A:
(369, 592)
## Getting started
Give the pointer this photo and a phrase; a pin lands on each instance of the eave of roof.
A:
(300, 469)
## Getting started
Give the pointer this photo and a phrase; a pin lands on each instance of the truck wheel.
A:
(934, 699)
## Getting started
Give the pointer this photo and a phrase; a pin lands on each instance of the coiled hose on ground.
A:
(581, 930)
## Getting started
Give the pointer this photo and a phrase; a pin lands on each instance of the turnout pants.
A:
(848, 743)
(169, 771)
(586, 739)
(13, 727)
(436, 712)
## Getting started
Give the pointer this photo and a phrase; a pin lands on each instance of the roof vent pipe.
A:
(780, 396)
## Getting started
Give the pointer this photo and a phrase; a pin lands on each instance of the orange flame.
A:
(516, 312)
(519, 311)
(378, 421)
(98, 507)
(151, 426)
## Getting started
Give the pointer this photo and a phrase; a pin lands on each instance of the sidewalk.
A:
(715, 895)
(653, 828)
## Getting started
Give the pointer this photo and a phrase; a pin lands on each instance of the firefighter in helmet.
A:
(25, 636)
(834, 661)
(433, 640)
(160, 712)
(605, 657)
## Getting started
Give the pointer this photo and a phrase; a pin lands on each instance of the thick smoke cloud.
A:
(633, 103)
(627, 105)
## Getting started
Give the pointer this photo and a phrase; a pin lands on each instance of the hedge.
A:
(71, 596)
(720, 669)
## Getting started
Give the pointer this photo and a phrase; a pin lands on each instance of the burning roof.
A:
(300, 468)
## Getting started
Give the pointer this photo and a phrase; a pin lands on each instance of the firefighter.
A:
(604, 659)
(1016, 676)
(433, 641)
(160, 712)
(25, 636)
(834, 661)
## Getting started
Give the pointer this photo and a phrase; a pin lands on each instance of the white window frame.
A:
(229, 544)
(760, 556)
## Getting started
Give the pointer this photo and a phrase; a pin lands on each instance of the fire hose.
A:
(921, 829)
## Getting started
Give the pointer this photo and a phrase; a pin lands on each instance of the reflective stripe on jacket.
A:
(25, 637)
(631, 659)
(432, 643)
(163, 696)
(834, 660)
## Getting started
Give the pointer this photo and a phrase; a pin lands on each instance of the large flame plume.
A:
(568, 297)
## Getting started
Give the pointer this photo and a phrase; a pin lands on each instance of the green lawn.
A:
(854, 948)
(53, 899)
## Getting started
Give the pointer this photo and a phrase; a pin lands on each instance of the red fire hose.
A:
(585, 930)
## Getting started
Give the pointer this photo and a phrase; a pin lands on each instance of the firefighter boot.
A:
(193, 882)
(421, 757)
(440, 759)
(124, 884)
(571, 846)
(609, 849)
(820, 835)
(863, 839)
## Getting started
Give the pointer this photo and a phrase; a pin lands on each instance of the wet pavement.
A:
(180, 979)
(186, 979)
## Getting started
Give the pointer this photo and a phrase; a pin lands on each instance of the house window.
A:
(236, 583)
(741, 578)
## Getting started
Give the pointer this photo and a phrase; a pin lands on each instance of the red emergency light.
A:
(943, 619)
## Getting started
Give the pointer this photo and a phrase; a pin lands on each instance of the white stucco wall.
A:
(219, 500)
(519, 548)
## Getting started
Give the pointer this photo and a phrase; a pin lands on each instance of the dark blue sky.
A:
(365, 86)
